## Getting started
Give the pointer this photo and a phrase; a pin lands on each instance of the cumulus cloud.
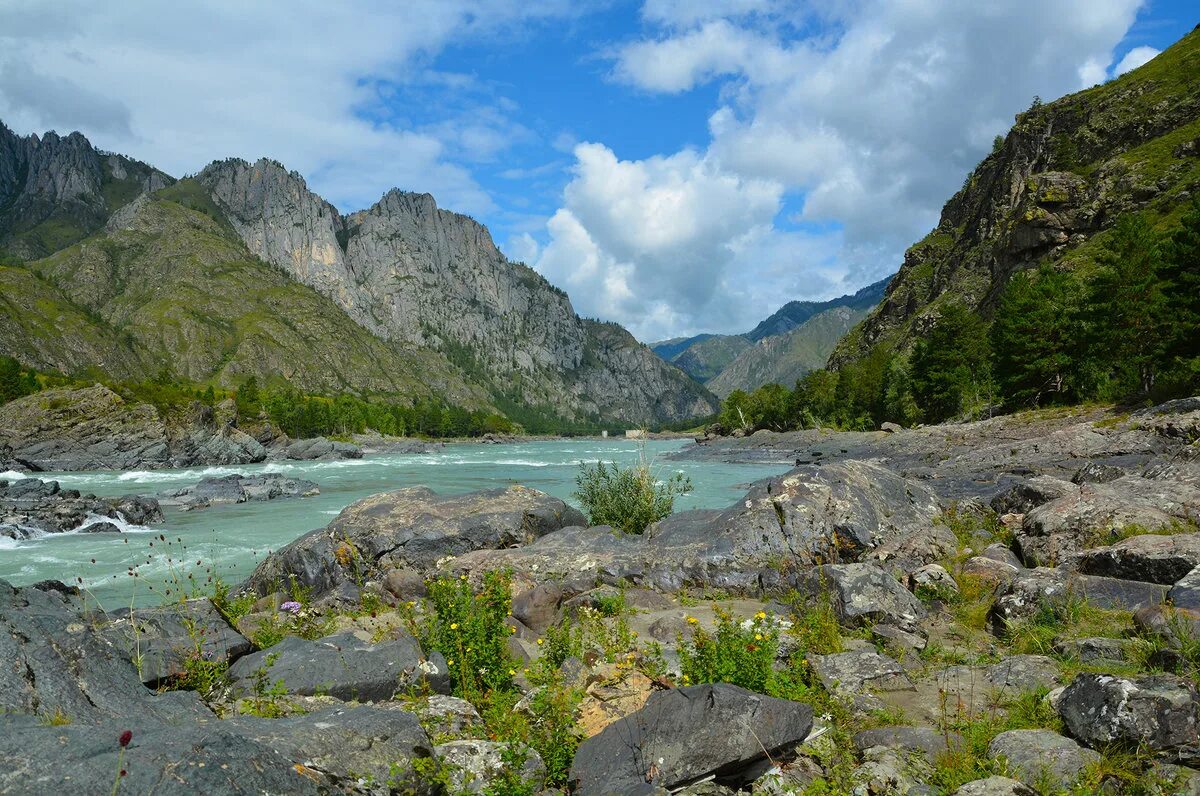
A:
(867, 125)
(298, 80)
(1133, 59)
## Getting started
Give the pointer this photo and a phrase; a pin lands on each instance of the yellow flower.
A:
(512, 672)
(761, 615)
(539, 641)
(686, 679)
(450, 662)
(758, 636)
(691, 620)
(462, 577)
(512, 630)
(454, 625)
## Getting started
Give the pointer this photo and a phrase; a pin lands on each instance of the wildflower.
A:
(686, 679)
(758, 636)
(454, 625)
(539, 641)
(512, 672)
(462, 577)
(761, 615)
(291, 606)
(125, 738)
(450, 662)
(691, 620)
(511, 630)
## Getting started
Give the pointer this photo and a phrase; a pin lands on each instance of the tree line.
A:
(1129, 331)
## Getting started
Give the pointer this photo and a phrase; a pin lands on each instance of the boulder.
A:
(1096, 473)
(347, 743)
(168, 759)
(686, 734)
(160, 640)
(321, 448)
(853, 672)
(1186, 591)
(235, 488)
(1030, 493)
(1091, 650)
(342, 666)
(476, 766)
(1158, 711)
(1038, 756)
(411, 529)
(994, 786)
(764, 542)
(925, 741)
(863, 594)
(1151, 557)
(30, 507)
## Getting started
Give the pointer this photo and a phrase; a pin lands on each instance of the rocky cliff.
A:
(1048, 192)
(408, 270)
(55, 190)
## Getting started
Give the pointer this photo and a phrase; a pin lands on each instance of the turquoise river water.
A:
(234, 538)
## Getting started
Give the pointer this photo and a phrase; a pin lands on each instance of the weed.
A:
(470, 630)
(739, 653)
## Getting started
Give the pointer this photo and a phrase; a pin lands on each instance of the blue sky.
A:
(677, 166)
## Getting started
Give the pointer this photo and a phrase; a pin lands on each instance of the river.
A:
(233, 538)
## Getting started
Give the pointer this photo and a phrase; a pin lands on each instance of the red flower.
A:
(126, 737)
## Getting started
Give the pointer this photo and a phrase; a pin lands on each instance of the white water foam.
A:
(119, 521)
(14, 475)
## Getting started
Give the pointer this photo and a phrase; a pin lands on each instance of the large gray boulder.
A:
(1151, 557)
(1159, 712)
(863, 594)
(237, 488)
(348, 743)
(685, 734)
(410, 529)
(161, 640)
(342, 666)
(766, 541)
(1040, 755)
(321, 448)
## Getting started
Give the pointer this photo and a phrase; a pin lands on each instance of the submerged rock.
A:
(321, 448)
(236, 488)
(31, 507)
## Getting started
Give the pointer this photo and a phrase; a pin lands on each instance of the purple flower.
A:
(291, 606)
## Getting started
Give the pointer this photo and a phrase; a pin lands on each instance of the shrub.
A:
(469, 629)
(740, 653)
(629, 499)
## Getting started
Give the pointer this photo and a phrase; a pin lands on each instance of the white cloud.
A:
(1133, 59)
(179, 85)
(522, 248)
(870, 129)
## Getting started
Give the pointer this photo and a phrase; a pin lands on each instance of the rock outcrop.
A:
(235, 488)
(31, 507)
(409, 271)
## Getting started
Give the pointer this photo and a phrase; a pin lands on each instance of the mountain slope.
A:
(784, 358)
(669, 349)
(1061, 178)
(795, 313)
(705, 359)
(409, 271)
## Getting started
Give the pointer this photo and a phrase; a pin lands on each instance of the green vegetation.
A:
(629, 499)
(469, 629)
(1129, 331)
(14, 381)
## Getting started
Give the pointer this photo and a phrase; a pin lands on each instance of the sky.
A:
(677, 166)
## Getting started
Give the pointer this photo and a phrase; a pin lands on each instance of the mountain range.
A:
(112, 268)
(794, 340)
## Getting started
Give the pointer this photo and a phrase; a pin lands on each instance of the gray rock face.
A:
(1036, 754)
(409, 271)
(768, 540)
(235, 488)
(1158, 711)
(474, 766)
(347, 743)
(95, 429)
(343, 666)
(159, 640)
(31, 507)
(863, 594)
(686, 734)
(200, 758)
(411, 529)
(321, 448)
(1153, 558)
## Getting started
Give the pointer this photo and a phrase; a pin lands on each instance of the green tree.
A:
(736, 412)
(12, 385)
(950, 366)
(1180, 271)
(769, 407)
(814, 401)
(899, 406)
(248, 399)
(1035, 337)
(1127, 310)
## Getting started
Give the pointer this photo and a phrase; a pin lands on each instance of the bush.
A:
(742, 654)
(627, 498)
(469, 629)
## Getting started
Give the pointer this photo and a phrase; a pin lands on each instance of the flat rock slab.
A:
(164, 759)
(686, 734)
(345, 742)
(1035, 755)
(923, 740)
(159, 641)
(852, 672)
(342, 666)
(995, 786)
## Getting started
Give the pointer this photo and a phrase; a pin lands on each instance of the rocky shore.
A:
(1004, 607)
(30, 507)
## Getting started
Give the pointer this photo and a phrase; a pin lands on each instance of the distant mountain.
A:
(112, 267)
(796, 339)
(794, 313)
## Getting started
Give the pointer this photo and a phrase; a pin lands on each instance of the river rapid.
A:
(232, 539)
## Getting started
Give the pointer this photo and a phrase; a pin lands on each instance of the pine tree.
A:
(951, 365)
(1180, 272)
(11, 384)
(1035, 338)
(899, 406)
(1128, 330)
